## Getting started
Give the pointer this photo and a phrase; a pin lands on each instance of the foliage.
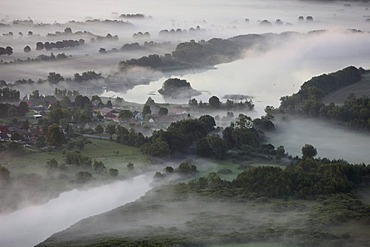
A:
(9, 95)
(125, 114)
(186, 168)
(163, 111)
(308, 151)
(146, 110)
(307, 179)
(54, 135)
(156, 147)
(130, 137)
(99, 129)
(83, 177)
(174, 86)
(86, 76)
(4, 174)
(113, 172)
(213, 146)
(308, 101)
(76, 159)
(55, 78)
(98, 167)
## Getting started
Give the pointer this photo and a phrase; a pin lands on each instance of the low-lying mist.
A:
(268, 75)
(31, 225)
(172, 215)
(331, 141)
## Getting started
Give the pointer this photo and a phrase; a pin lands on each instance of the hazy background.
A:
(267, 75)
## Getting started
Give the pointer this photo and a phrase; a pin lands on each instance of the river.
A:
(31, 225)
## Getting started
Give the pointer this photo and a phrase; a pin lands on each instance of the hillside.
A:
(359, 89)
(308, 204)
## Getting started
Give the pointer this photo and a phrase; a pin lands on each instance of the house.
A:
(138, 116)
(97, 103)
(4, 133)
(4, 137)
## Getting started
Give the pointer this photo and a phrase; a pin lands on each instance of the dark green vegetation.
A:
(214, 103)
(201, 54)
(310, 100)
(263, 204)
(177, 88)
(37, 176)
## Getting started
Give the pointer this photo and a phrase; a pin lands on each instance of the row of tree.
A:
(59, 44)
(215, 103)
(6, 51)
(309, 100)
(9, 95)
(306, 179)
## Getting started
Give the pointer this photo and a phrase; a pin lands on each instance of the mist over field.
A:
(332, 141)
(29, 226)
(301, 39)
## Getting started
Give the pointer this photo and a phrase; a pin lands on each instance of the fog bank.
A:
(32, 225)
(331, 141)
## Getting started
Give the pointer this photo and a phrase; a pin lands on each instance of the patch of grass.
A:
(206, 166)
(113, 155)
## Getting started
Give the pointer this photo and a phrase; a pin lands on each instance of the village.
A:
(27, 122)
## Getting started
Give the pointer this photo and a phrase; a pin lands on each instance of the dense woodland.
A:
(309, 101)
(203, 53)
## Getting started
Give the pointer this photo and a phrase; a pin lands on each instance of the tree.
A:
(214, 102)
(157, 148)
(9, 50)
(113, 172)
(54, 77)
(80, 143)
(83, 177)
(209, 122)
(126, 114)
(4, 174)
(54, 135)
(218, 146)
(68, 30)
(52, 164)
(27, 49)
(202, 148)
(39, 46)
(146, 111)
(23, 108)
(280, 150)
(163, 111)
(99, 129)
(308, 151)
(109, 104)
(130, 166)
(110, 129)
(98, 167)
(186, 168)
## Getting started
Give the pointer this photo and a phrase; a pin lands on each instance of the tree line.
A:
(307, 179)
(355, 112)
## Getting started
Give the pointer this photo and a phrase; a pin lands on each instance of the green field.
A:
(113, 155)
(206, 166)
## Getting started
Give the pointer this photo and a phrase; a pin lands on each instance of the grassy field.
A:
(361, 88)
(205, 167)
(113, 155)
